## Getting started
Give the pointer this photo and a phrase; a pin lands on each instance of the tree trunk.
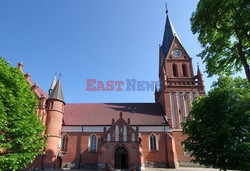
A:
(244, 61)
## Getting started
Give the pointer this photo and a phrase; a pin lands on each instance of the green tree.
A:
(218, 126)
(21, 138)
(223, 28)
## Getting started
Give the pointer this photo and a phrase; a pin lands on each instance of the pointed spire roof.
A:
(169, 35)
(57, 93)
(198, 71)
(53, 83)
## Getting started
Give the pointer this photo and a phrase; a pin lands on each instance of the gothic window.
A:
(175, 70)
(185, 103)
(132, 137)
(197, 93)
(116, 133)
(64, 143)
(191, 96)
(108, 137)
(93, 143)
(51, 105)
(184, 70)
(172, 108)
(125, 136)
(179, 107)
(153, 142)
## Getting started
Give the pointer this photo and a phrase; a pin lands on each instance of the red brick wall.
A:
(78, 144)
(154, 156)
(179, 148)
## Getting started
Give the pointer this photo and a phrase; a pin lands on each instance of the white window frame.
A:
(156, 142)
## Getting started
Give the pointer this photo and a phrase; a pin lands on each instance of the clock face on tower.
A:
(176, 53)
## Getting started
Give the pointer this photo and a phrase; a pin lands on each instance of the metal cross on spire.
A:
(166, 6)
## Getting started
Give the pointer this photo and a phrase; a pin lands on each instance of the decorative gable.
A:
(177, 51)
(120, 131)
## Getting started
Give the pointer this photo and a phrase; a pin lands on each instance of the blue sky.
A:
(93, 39)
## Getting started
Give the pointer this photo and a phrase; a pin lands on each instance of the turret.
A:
(55, 107)
(200, 78)
(52, 85)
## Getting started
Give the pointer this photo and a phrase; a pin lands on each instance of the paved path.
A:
(165, 169)
(181, 169)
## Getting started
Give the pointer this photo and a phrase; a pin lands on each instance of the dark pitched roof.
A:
(169, 34)
(57, 93)
(102, 114)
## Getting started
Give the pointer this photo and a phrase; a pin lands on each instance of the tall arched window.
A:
(93, 143)
(153, 142)
(132, 137)
(64, 143)
(175, 70)
(184, 70)
(125, 132)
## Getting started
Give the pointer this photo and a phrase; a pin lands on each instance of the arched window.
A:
(51, 105)
(132, 137)
(184, 70)
(153, 142)
(93, 143)
(64, 143)
(108, 137)
(116, 133)
(175, 70)
(125, 136)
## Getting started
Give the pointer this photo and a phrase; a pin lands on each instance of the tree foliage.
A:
(218, 126)
(21, 137)
(223, 27)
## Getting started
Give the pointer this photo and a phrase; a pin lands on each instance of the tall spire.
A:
(57, 93)
(52, 84)
(198, 70)
(169, 34)
(200, 77)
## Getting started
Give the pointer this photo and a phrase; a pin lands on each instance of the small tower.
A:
(200, 79)
(55, 107)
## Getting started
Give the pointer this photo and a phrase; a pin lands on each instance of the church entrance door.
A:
(121, 158)
(58, 162)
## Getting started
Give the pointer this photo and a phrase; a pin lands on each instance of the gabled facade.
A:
(123, 135)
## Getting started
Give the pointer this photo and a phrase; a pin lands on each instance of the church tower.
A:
(55, 107)
(179, 85)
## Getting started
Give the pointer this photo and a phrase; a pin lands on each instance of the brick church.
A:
(123, 135)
